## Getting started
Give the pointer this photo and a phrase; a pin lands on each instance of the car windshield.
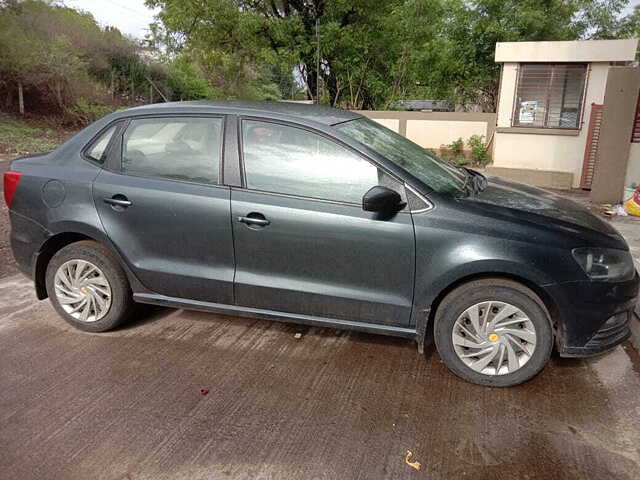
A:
(420, 162)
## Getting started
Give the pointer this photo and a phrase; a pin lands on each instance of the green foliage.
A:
(68, 65)
(629, 26)
(187, 81)
(84, 112)
(457, 146)
(21, 137)
(372, 52)
(461, 160)
(465, 70)
(454, 152)
(479, 150)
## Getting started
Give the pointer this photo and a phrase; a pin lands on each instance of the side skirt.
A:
(310, 320)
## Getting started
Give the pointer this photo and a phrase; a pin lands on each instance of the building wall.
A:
(434, 129)
(633, 169)
(568, 51)
(620, 102)
(537, 149)
(390, 123)
(434, 133)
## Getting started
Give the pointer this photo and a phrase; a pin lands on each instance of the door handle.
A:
(118, 201)
(259, 221)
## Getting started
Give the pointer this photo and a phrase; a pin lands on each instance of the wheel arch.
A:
(65, 237)
(425, 325)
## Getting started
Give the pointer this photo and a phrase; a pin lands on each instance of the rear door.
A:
(163, 205)
(303, 243)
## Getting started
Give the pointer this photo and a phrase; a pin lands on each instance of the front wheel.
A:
(493, 332)
(88, 287)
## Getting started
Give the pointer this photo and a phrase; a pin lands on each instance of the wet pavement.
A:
(179, 394)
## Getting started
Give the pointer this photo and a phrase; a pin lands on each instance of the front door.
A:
(303, 243)
(165, 210)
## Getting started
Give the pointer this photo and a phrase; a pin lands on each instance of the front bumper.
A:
(592, 317)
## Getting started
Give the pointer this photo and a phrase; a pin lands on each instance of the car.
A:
(317, 216)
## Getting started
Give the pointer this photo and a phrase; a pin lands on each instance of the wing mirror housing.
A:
(382, 199)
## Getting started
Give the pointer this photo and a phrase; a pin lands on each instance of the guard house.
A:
(567, 115)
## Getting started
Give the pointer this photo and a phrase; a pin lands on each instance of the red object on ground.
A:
(204, 391)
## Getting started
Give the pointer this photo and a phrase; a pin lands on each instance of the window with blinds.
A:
(549, 95)
(635, 134)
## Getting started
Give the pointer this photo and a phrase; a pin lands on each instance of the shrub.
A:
(479, 150)
(461, 160)
(452, 151)
(456, 147)
(84, 113)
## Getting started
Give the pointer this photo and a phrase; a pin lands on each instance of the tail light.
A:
(11, 180)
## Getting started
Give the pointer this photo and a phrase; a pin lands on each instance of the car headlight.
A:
(605, 264)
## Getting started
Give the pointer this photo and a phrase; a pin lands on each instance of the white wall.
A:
(435, 133)
(568, 51)
(435, 129)
(633, 168)
(544, 151)
(390, 123)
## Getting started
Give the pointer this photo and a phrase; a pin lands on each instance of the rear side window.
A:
(98, 149)
(294, 161)
(176, 148)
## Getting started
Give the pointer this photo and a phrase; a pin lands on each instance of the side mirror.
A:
(382, 199)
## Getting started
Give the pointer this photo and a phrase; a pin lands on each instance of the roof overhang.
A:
(572, 51)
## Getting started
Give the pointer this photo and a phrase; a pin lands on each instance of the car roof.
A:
(317, 113)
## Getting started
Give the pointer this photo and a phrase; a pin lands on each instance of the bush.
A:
(456, 147)
(452, 151)
(84, 113)
(479, 150)
(461, 160)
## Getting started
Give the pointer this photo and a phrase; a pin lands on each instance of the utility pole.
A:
(318, 60)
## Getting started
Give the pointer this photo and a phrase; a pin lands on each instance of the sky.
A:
(133, 17)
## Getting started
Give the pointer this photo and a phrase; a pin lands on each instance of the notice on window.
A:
(528, 111)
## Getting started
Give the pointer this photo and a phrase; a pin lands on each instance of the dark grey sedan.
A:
(316, 216)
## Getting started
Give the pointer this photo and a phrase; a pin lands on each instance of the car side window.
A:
(294, 161)
(176, 148)
(98, 150)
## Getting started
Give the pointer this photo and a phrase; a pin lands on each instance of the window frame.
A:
(84, 153)
(116, 159)
(330, 138)
(581, 103)
(635, 130)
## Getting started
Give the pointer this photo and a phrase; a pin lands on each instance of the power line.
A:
(124, 7)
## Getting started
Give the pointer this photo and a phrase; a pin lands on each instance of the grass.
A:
(26, 136)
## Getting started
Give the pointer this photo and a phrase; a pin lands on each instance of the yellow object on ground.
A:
(407, 459)
(632, 206)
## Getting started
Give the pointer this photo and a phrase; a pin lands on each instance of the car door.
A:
(162, 204)
(303, 243)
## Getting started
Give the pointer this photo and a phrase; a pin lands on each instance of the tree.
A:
(17, 59)
(466, 71)
(364, 47)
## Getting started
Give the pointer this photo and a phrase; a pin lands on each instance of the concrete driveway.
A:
(181, 394)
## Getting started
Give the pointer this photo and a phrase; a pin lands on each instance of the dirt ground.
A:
(188, 395)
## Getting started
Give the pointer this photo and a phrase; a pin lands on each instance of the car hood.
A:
(540, 203)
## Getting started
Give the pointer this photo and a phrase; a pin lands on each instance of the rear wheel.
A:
(493, 332)
(88, 287)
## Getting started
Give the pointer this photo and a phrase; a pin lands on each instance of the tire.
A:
(102, 314)
(455, 313)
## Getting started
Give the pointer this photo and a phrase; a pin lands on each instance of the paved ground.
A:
(335, 405)
(6, 262)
